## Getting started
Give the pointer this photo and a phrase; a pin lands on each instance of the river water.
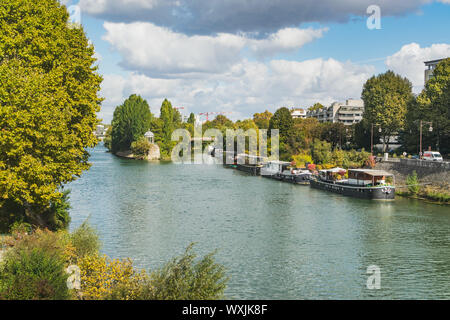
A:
(277, 240)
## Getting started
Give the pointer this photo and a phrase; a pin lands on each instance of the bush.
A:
(103, 278)
(35, 274)
(413, 183)
(302, 159)
(183, 279)
(85, 241)
(141, 148)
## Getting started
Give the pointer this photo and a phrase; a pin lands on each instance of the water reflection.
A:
(278, 241)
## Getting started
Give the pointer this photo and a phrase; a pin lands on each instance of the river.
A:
(277, 240)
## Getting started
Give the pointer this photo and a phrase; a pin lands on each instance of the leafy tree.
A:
(130, 122)
(262, 119)
(48, 104)
(321, 152)
(316, 106)
(168, 126)
(282, 120)
(191, 119)
(434, 105)
(386, 97)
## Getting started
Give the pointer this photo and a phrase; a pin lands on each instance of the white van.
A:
(432, 156)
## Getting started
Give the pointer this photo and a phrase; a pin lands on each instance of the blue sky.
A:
(265, 58)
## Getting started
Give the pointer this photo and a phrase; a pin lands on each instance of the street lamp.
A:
(430, 129)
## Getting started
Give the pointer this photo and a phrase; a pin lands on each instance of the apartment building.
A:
(347, 113)
(431, 65)
(298, 113)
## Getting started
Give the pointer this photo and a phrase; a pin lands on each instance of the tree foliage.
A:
(434, 105)
(48, 104)
(386, 97)
(262, 119)
(130, 122)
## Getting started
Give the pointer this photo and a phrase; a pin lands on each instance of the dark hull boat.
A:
(361, 183)
(254, 170)
(372, 193)
(278, 170)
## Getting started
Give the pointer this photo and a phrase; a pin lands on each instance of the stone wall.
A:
(437, 173)
(154, 153)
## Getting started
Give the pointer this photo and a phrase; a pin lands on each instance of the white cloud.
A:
(158, 51)
(287, 39)
(409, 61)
(246, 87)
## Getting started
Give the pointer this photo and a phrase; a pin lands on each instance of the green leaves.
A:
(48, 102)
(386, 97)
(130, 122)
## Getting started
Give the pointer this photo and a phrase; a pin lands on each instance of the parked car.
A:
(415, 156)
(432, 156)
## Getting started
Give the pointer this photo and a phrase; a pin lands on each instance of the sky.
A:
(246, 56)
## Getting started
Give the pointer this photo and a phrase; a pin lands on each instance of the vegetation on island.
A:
(35, 264)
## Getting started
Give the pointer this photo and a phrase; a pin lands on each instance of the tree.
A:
(130, 122)
(168, 126)
(434, 105)
(316, 106)
(262, 119)
(282, 120)
(386, 97)
(48, 104)
(191, 119)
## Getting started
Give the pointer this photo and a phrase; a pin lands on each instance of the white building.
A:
(298, 113)
(431, 66)
(347, 113)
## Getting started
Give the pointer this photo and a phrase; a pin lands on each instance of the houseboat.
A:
(361, 183)
(249, 163)
(282, 171)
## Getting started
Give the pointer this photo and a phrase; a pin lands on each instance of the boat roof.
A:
(372, 172)
(333, 170)
(250, 156)
(278, 162)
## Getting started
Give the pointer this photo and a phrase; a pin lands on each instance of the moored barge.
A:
(361, 183)
(280, 170)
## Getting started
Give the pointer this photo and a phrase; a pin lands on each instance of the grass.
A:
(436, 196)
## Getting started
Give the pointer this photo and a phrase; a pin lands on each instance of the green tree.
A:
(48, 104)
(434, 105)
(386, 97)
(168, 126)
(191, 119)
(316, 106)
(282, 120)
(130, 122)
(321, 152)
(262, 119)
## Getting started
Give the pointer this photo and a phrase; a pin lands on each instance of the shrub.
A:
(85, 240)
(33, 274)
(184, 279)
(141, 148)
(103, 278)
(302, 159)
(413, 183)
